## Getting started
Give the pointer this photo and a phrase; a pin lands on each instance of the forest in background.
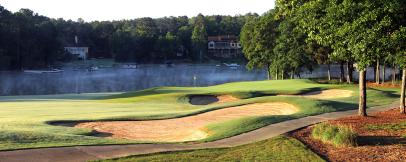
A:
(30, 40)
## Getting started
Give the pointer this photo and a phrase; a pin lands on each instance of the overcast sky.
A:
(91, 10)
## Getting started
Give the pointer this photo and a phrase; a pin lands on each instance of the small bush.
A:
(339, 136)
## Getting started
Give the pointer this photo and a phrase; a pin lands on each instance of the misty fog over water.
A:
(119, 80)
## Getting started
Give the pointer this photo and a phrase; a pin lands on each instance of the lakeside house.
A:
(224, 46)
(79, 52)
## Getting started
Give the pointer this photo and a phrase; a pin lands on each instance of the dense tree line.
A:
(27, 39)
(30, 40)
(298, 34)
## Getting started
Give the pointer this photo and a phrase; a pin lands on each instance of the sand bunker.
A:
(211, 99)
(326, 94)
(329, 94)
(187, 128)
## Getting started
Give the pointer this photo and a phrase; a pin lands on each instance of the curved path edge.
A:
(86, 153)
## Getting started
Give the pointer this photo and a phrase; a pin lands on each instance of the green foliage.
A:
(288, 7)
(280, 148)
(339, 136)
(167, 46)
(199, 37)
(275, 42)
(220, 25)
(290, 48)
(364, 31)
(258, 40)
(29, 40)
(356, 30)
(398, 41)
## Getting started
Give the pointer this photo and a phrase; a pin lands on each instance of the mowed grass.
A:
(24, 120)
(276, 149)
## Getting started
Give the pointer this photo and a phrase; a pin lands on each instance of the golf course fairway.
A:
(46, 121)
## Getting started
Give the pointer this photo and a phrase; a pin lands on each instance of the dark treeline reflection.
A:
(115, 80)
(118, 80)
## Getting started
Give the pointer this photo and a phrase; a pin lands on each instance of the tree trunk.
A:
(328, 72)
(383, 73)
(349, 73)
(377, 74)
(362, 94)
(341, 72)
(393, 74)
(268, 72)
(276, 76)
(402, 93)
(291, 74)
(283, 75)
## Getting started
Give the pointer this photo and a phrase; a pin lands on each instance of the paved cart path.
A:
(86, 153)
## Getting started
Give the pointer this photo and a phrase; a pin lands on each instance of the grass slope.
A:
(276, 149)
(24, 119)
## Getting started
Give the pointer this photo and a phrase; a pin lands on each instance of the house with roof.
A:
(79, 52)
(224, 46)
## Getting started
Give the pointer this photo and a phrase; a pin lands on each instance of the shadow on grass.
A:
(339, 105)
(387, 93)
(202, 99)
(380, 140)
(254, 94)
(99, 134)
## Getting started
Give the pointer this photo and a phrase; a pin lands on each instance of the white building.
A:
(79, 52)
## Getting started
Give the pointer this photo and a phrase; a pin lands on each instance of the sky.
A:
(91, 10)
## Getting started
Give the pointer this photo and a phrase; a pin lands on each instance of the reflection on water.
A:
(115, 80)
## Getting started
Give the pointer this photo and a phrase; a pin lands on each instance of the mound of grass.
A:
(339, 136)
(276, 149)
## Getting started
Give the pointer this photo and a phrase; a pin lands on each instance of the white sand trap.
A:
(326, 94)
(187, 128)
(329, 94)
(226, 98)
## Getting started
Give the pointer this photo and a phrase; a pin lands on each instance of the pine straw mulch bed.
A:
(373, 145)
(382, 85)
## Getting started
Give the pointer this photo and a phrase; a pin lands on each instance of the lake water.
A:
(146, 76)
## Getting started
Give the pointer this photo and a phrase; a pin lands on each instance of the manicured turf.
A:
(24, 119)
(275, 149)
